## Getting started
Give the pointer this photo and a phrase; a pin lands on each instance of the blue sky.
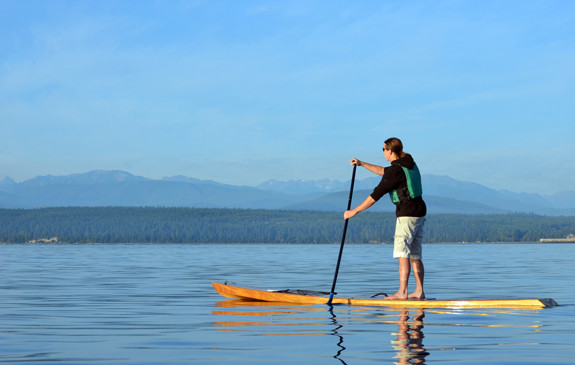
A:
(242, 92)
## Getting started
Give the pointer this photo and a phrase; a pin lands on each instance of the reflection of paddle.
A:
(342, 238)
(340, 343)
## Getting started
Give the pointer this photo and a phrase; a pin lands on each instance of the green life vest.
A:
(413, 188)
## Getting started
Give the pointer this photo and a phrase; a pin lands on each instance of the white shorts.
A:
(408, 237)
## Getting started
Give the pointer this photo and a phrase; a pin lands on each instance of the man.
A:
(402, 181)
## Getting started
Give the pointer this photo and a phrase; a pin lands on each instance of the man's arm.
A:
(368, 202)
(378, 170)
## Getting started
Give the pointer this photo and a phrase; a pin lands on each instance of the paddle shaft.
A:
(342, 238)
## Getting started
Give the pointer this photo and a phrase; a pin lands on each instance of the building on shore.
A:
(569, 238)
(45, 240)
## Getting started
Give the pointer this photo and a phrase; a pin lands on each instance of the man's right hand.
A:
(349, 214)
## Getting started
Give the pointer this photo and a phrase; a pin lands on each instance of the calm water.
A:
(154, 304)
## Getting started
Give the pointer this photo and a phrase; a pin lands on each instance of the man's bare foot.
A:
(416, 295)
(396, 296)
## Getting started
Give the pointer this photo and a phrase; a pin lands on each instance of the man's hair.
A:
(395, 145)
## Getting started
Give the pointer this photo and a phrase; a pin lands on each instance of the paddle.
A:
(342, 238)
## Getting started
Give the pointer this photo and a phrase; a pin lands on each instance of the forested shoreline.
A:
(196, 225)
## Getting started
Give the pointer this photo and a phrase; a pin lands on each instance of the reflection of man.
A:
(409, 343)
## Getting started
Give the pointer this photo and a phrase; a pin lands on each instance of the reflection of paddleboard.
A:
(296, 296)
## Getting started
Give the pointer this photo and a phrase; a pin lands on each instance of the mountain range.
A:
(120, 188)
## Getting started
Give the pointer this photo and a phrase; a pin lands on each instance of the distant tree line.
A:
(191, 225)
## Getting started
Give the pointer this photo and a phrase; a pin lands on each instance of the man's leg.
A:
(419, 273)
(401, 251)
(416, 263)
(404, 271)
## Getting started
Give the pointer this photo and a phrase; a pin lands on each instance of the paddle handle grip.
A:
(351, 187)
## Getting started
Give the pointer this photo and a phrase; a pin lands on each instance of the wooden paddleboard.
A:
(236, 292)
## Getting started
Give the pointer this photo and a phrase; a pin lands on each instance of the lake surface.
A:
(154, 304)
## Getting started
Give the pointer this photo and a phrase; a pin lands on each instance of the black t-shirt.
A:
(394, 178)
